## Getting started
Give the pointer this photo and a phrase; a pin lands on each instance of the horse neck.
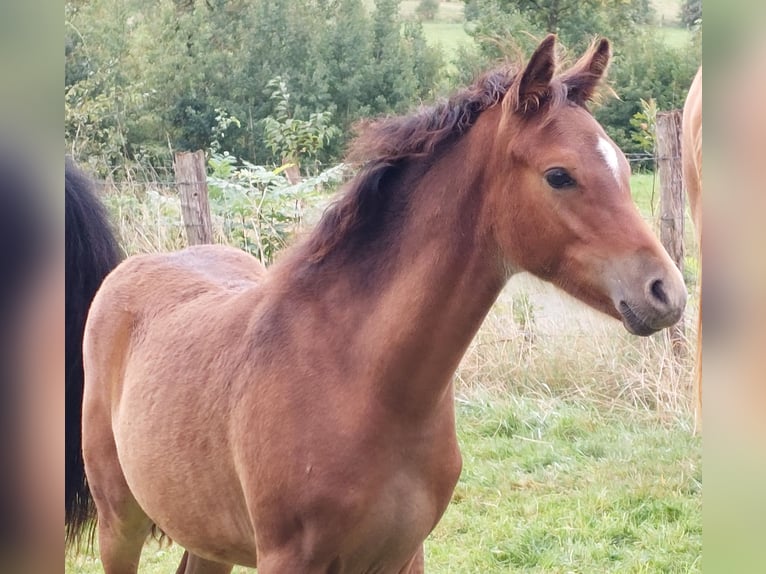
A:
(409, 310)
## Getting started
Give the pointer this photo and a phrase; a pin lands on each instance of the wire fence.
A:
(155, 177)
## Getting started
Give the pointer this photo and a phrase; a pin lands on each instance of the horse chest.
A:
(368, 510)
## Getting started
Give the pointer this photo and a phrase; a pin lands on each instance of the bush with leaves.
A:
(258, 208)
(293, 140)
(575, 22)
(191, 59)
(254, 208)
(427, 9)
(644, 125)
(645, 68)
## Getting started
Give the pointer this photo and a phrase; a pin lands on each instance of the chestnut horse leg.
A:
(417, 564)
(191, 564)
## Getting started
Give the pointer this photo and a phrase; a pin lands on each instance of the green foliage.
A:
(427, 62)
(223, 121)
(576, 22)
(293, 139)
(393, 84)
(427, 9)
(194, 69)
(644, 67)
(645, 125)
(499, 30)
(106, 112)
(252, 207)
(498, 33)
(189, 60)
(257, 207)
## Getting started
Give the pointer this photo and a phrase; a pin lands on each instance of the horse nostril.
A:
(658, 292)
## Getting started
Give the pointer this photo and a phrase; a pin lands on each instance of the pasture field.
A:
(447, 29)
(449, 11)
(668, 11)
(578, 451)
(675, 37)
(449, 36)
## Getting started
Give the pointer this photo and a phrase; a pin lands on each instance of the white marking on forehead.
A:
(609, 153)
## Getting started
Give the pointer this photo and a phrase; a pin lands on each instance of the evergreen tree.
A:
(143, 74)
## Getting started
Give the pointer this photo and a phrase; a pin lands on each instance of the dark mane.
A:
(395, 138)
(384, 145)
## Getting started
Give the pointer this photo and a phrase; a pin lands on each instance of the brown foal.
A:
(301, 419)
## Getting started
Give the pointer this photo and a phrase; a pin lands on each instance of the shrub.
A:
(427, 9)
(645, 68)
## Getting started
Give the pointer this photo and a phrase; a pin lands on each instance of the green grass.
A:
(675, 37)
(667, 11)
(554, 486)
(645, 188)
(646, 191)
(450, 11)
(448, 35)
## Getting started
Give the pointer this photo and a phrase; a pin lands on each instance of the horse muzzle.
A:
(658, 305)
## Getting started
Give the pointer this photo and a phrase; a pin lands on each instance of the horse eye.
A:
(558, 178)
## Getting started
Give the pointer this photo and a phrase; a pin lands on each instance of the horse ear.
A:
(535, 81)
(583, 78)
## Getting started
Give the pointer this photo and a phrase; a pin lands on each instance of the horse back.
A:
(154, 280)
(161, 294)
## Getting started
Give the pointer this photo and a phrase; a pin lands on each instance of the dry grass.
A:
(539, 342)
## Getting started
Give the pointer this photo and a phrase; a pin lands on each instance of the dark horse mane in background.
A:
(91, 253)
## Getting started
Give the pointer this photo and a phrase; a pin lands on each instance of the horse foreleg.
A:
(417, 564)
(191, 564)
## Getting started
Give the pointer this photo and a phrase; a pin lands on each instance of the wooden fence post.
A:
(191, 181)
(671, 201)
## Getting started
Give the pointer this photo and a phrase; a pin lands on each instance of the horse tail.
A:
(91, 253)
